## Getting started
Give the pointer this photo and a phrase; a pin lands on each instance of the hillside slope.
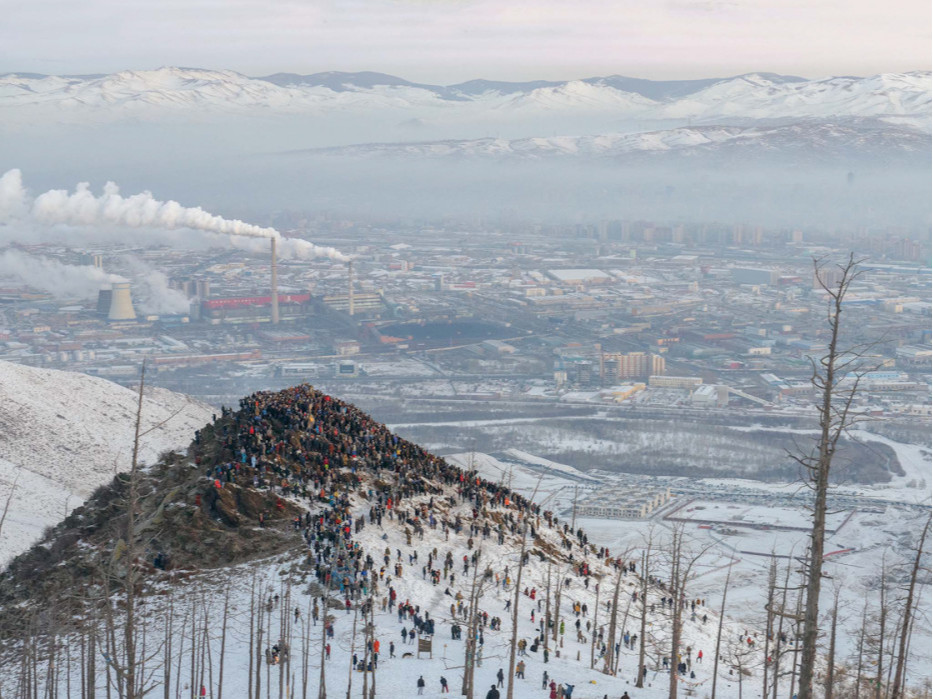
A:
(65, 434)
(298, 499)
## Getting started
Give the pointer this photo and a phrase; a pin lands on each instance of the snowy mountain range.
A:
(65, 434)
(307, 142)
(752, 96)
(810, 140)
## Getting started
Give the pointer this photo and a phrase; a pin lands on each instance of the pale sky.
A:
(447, 41)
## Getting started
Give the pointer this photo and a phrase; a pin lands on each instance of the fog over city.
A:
(624, 308)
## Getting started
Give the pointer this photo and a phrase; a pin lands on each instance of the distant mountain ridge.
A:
(806, 141)
(750, 96)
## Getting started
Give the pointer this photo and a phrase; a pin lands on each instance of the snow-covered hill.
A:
(379, 517)
(65, 434)
(811, 140)
(300, 501)
(756, 96)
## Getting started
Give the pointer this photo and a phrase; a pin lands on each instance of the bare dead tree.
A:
(610, 654)
(769, 622)
(547, 608)
(898, 685)
(834, 377)
(642, 634)
(593, 635)
(682, 565)
(322, 684)
(831, 655)
(129, 630)
(223, 644)
(860, 651)
(722, 616)
(252, 632)
(782, 615)
(167, 646)
(469, 648)
(356, 613)
(9, 500)
(882, 626)
(510, 688)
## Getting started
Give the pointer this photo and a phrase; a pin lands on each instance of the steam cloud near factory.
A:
(81, 209)
(53, 276)
(80, 281)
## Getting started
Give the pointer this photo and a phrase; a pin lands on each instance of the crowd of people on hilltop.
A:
(302, 444)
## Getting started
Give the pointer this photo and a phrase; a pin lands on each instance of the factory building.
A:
(364, 303)
(625, 505)
(687, 382)
(255, 309)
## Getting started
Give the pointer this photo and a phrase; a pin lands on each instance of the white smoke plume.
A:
(80, 281)
(138, 211)
(152, 291)
(12, 196)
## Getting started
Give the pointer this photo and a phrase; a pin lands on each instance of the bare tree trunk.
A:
(305, 650)
(860, 664)
(560, 582)
(722, 616)
(129, 632)
(469, 648)
(834, 417)
(259, 656)
(510, 688)
(82, 646)
(769, 622)
(208, 647)
(794, 666)
(910, 635)
(831, 659)
(547, 609)
(593, 634)
(352, 647)
(223, 645)
(181, 656)
(167, 649)
(896, 689)
(642, 629)
(676, 591)
(283, 654)
(9, 500)
(194, 649)
(92, 661)
(882, 621)
(780, 632)
(610, 654)
(252, 632)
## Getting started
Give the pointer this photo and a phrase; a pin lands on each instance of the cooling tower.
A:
(121, 303)
(104, 297)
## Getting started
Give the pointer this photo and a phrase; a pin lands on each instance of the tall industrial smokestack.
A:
(350, 286)
(275, 287)
(121, 303)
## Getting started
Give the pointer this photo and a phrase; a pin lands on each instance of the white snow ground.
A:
(64, 434)
(397, 676)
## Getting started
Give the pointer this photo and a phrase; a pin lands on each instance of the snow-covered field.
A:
(65, 434)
